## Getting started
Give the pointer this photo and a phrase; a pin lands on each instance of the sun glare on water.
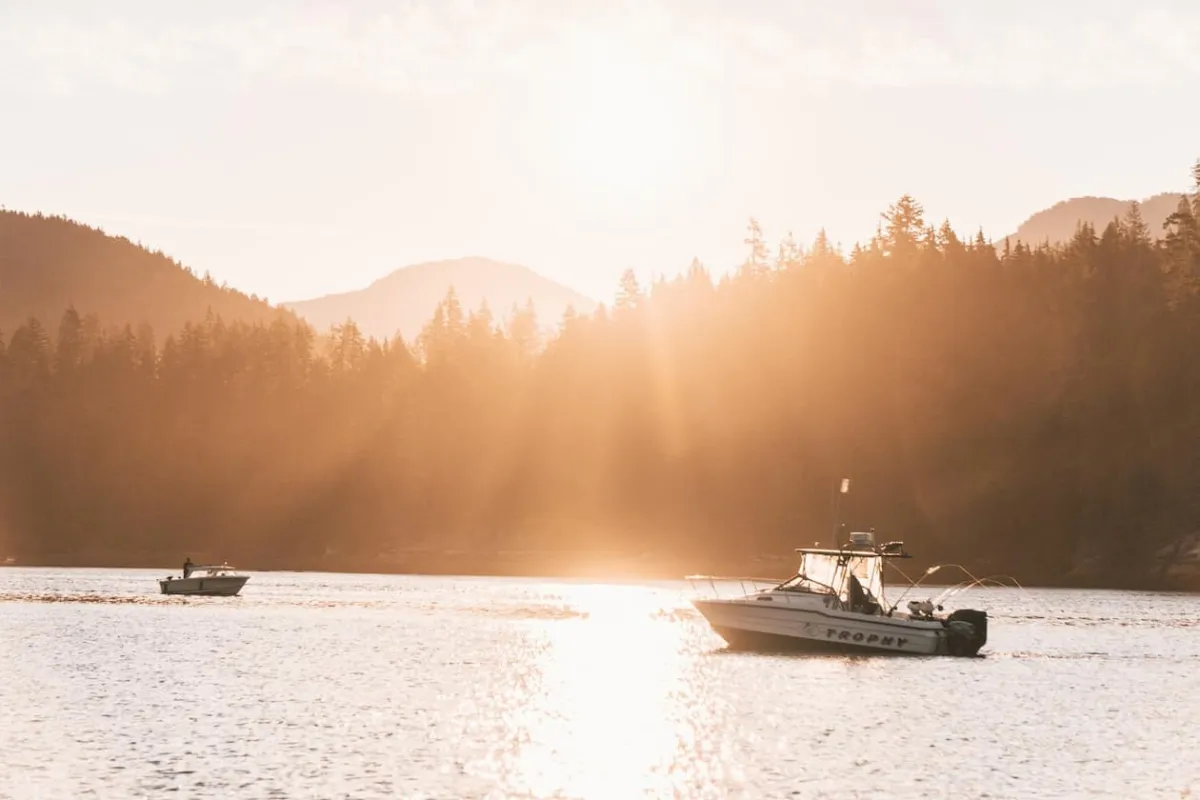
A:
(617, 710)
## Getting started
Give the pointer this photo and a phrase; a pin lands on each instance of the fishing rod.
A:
(963, 586)
(992, 579)
(911, 583)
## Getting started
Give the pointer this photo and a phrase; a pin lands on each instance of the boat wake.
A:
(100, 599)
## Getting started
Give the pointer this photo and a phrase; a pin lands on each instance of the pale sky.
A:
(299, 148)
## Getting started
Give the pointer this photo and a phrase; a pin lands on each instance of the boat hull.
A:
(756, 642)
(747, 624)
(224, 586)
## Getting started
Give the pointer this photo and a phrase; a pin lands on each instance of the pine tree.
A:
(755, 264)
(905, 222)
(1196, 189)
(1182, 252)
(69, 347)
(790, 255)
(29, 353)
(524, 331)
(348, 347)
(629, 294)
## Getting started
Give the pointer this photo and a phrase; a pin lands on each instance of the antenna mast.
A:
(839, 490)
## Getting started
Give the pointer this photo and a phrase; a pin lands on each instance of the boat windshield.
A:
(216, 569)
(817, 573)
(824, 573)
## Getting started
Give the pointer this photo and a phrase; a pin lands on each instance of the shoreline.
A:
(600, 568)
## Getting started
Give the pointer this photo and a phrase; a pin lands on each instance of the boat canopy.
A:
(836, 571)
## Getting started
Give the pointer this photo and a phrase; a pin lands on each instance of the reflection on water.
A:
(615, 712)
(375, 686)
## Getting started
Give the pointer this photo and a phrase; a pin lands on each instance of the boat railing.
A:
(726, 587)
(746, 585)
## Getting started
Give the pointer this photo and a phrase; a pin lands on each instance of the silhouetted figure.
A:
(861, 600)
(857, 595)
(187, 567)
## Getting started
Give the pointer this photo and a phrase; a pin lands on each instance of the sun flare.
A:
(623, 131)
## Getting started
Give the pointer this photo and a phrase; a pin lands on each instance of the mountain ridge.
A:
(404, 300)
(49, 263)
(1057, 223)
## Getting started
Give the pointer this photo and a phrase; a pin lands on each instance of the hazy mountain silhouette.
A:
(405, 300)
(50, 263)
(1058, 222)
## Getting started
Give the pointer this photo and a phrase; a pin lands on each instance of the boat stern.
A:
(966, 631)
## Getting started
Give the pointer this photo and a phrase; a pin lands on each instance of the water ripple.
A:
(311, 685)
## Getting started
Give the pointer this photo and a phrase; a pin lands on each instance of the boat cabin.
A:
(853, 573)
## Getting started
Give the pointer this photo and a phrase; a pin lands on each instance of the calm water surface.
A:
(362, 686)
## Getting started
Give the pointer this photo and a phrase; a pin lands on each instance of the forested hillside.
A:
(49, 263)
(1031, 412)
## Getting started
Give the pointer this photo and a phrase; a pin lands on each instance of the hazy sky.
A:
(297, 148)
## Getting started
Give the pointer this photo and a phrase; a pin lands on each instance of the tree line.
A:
(1028, 408)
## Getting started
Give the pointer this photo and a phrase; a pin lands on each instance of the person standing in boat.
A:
(187, 567)
(861, 599)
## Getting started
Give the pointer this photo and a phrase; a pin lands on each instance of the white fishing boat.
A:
(836, 602)
(220, 580)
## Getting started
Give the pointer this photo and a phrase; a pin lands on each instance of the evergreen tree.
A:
(70, 345)
(629, 295)
(757, 257)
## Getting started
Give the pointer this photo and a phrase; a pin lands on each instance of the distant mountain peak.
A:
(1057, 224)
(404, 300)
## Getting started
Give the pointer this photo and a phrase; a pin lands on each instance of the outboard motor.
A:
(966, 631)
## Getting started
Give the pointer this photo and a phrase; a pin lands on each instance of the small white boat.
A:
(835, 602)
(219, 580)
